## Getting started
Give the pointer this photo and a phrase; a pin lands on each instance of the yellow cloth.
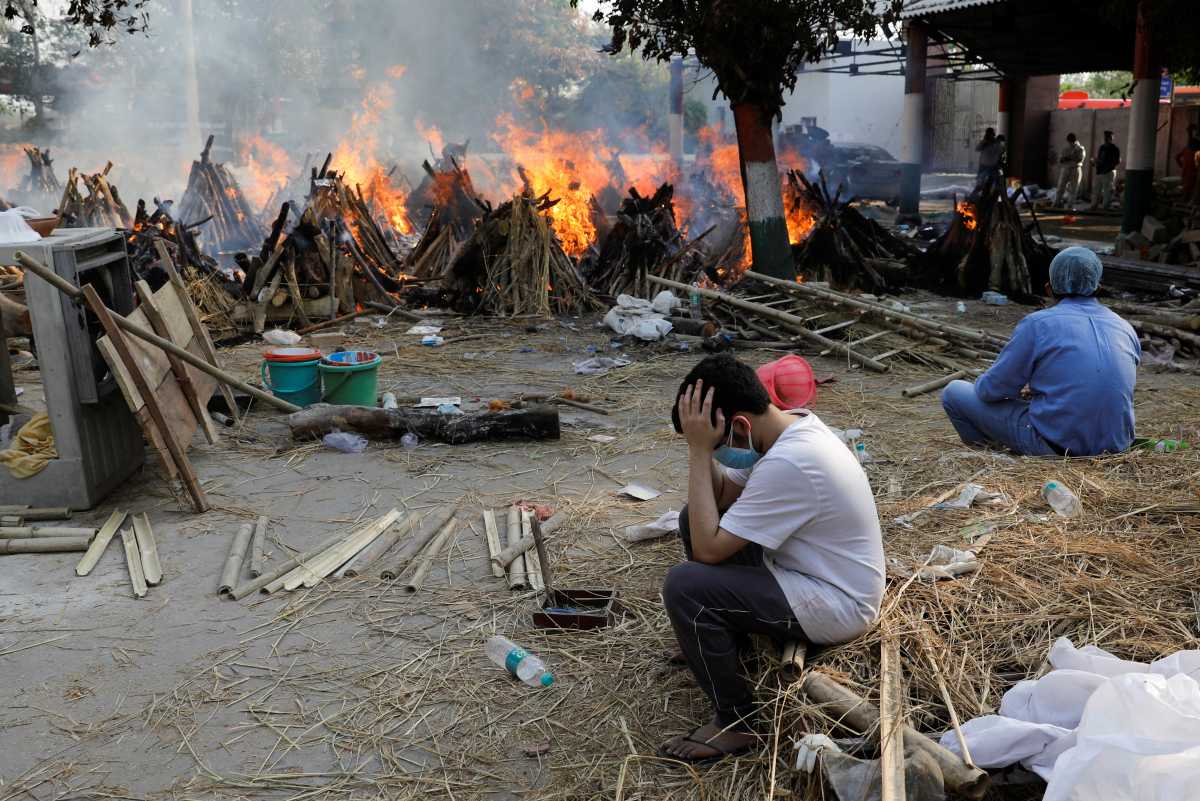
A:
(33, 448)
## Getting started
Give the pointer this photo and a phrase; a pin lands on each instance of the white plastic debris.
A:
(599, 365)
(640, 491)
(811, 746)
(345, 442)
(666, 524)
(281, 338)
(14, 230)
(641, 318)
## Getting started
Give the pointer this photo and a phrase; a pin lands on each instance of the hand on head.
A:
(700, 427)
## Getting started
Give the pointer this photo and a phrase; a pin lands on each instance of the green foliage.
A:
(1111, 84)
(97, 18)
(755, 48)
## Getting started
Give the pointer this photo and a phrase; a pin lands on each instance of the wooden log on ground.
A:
(891, 721)
(44, 545)
(431, 525)
(854, 711)
(937, 383)
(35, 513)
(534, 422)
(148, 549)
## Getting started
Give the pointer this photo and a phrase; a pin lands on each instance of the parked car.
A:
(867, 171)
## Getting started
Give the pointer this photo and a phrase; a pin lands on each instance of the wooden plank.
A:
(99, 543)
(178, 369)
(199, 330)
(148, 549)
(133, 561)
(891, 721)
(121, 345)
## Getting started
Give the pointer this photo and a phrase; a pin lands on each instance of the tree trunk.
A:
(764, 192)
(535, 422)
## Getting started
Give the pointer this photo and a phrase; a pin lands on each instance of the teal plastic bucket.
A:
(291, 374)
(350, 378)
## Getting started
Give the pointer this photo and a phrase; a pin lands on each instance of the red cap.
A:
(789, 382)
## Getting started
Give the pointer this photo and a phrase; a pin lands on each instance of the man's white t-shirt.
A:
(808, 503)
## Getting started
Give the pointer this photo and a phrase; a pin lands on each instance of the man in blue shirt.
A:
(1076, 362)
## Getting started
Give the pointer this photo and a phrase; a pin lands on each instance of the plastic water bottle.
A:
(1061, 499)
(695, 304)
(519, 662)
(960, 307)
(860, 453)
(1170, 445)
(389, 401)
(410, 441)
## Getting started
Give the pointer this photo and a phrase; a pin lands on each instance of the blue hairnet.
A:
(1075, 271)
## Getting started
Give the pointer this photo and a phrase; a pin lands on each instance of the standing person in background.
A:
(1186, 159)
(1106, 161)
(1070, 172)
(991, 153)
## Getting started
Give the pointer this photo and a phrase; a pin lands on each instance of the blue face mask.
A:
(737, 458)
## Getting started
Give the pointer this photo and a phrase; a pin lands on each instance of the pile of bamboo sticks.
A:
(344, 555)
(102, 208)
(515, 558)
(213, 195)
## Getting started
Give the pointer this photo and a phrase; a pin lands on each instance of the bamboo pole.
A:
(233, 561)
(254, 585)
(45, 513)
(310, 575)
(492, 533)
(73, 292)
(937, 383)
(148, 549)
(372, 553)
(790, 320)
(891, 721)
(948, 701)
(833, 296)
(513, 550)
(545, 574)
(99, 543)
(44, 545)
(257, 542)
(533, 562)
(516, 568)
(792, 659)
(133, 561)
(30, 532)
(404, 557)
(417, 578)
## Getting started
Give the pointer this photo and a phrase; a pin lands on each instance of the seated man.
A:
(1077, 362)
(781, 537)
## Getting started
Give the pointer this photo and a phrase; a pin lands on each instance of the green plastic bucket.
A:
(291, 374)
(350, 378)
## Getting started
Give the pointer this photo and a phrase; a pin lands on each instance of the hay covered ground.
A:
(356, 690)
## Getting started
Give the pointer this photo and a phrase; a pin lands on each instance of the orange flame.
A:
(267, 168)
(571, 166)
(966, 212)
(431, 134)
(396, 71)
(355, 157)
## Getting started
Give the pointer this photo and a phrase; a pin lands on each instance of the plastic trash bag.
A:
(345, 442)
(668, 523)
(281, 338)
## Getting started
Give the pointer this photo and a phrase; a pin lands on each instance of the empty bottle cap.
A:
(547, 679)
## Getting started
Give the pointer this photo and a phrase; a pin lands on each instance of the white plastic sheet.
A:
(644, 319)
(14, 230)
(1099, 728)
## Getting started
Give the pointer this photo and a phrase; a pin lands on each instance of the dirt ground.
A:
(355, 689)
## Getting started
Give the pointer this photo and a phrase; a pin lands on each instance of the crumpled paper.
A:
(668, 523)
(599, 365)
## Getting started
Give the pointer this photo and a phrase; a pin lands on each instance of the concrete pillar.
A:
(1003, 114)
(1143, 125)
(675, 119)
(912, 135)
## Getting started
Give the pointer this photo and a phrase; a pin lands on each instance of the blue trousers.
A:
(1004, 423)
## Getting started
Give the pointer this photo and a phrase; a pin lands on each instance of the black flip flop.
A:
(722, 753)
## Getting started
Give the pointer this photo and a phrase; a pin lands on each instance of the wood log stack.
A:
(641, 242)
(449, 208)
(214, 197)
(514, 265)
(986, 248)
(41, 179)
(844, 248)
(102, 208)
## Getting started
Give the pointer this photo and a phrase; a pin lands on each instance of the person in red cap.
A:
(781, 538)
